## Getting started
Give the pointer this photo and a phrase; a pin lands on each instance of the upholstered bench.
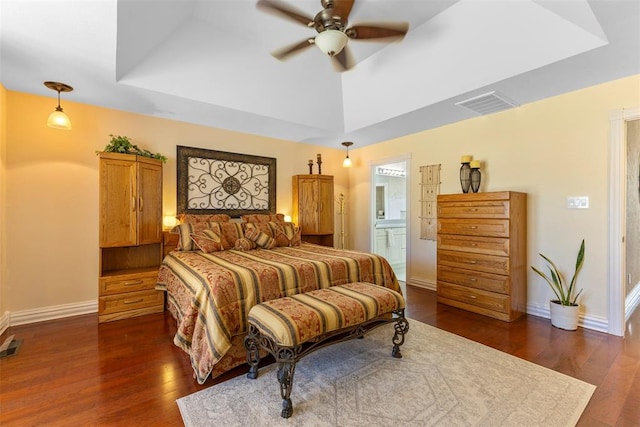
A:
(291, 327)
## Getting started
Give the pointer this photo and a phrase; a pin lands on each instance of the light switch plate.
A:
(579, 202)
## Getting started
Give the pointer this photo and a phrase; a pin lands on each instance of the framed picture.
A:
(218, 182)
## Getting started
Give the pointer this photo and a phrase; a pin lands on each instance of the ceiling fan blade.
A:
(343, 8)
(286, 11)
(287, 51)
(343, 61)
(387, 30)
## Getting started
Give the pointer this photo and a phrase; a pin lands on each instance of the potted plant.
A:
(564, 309)
(123, 144)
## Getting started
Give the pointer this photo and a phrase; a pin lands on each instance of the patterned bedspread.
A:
(211, 294)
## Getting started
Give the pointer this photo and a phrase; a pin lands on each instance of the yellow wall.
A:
(52, 189)
(549, 149)
(3, 204)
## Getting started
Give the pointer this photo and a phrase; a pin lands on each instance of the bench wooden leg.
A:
(401, 328)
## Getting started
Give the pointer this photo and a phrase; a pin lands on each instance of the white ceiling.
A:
(208, 62)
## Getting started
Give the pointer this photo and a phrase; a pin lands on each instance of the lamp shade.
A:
(347, 162)
(59, 120)
(331, 42)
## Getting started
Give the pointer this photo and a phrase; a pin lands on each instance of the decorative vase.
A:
(564, 316)
(465, 177)
(476, 177)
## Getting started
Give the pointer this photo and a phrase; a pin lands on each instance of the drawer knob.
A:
(473, 297)
(473, 262)
(474, 244)
(473, 227)
(473, 279)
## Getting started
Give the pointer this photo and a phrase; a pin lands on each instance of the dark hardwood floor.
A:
(74, 372)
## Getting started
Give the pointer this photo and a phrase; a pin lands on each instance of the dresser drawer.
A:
(498, 209)
(477, 244)
(474, 262)
(117, 284)
(476, 297)
(130, 301)
(474, 227)
(474, 279)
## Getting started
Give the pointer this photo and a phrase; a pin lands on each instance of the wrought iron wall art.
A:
(235, 184)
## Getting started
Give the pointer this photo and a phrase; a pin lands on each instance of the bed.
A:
(209, 293)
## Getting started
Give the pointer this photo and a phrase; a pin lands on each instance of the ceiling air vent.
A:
(488, 103)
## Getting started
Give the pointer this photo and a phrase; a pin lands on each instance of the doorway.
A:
(389, 209)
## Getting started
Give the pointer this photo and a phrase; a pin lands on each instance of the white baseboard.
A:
(422, 283)
(595, 323)
(53, 312)
(4, 322)
(632, 301)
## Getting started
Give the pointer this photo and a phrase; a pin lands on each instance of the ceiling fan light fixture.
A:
(331, 42)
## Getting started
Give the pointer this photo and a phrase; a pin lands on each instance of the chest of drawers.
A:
(482, 253)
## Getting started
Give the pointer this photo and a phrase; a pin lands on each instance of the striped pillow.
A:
(263, 240)
(208, 241)
(184, 232)
(202, 219)
(286, 234)
(263, 218)
(229, 231)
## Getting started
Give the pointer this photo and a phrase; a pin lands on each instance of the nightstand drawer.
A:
(121, 283)
(476, 297)
(476, 244)
(130, 301)
(489, 209)
(474, 262)
(474, 279)
(474, 227)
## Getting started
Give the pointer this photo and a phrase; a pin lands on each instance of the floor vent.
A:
(9, 347)
(488, 103)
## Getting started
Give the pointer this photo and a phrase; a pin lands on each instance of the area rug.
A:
(442, 380)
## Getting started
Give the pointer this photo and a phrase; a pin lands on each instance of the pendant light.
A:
(347, 161)
(58, 119)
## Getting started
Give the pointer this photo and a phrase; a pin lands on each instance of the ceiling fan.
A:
(333, 34)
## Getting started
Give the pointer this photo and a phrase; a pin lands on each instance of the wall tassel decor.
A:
(430, 188)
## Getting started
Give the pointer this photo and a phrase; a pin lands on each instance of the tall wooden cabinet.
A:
(130, 236)
(313, 208)
(482, 253)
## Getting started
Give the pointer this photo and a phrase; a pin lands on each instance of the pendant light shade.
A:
(58, 119)
(347, 161)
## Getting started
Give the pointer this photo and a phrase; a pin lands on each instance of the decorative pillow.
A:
(265, 227)
(229, 231)
(263, 218)
(286, 234)
(202, 219)
(208, 241)
(263, 240)
(244, 244)
(185, 231)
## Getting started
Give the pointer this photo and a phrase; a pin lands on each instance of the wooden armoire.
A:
(313, 208)
(130, 221)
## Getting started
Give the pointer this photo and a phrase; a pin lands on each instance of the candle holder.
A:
(319, 164)
(310, 167)
(476, 177)
(465, 177)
